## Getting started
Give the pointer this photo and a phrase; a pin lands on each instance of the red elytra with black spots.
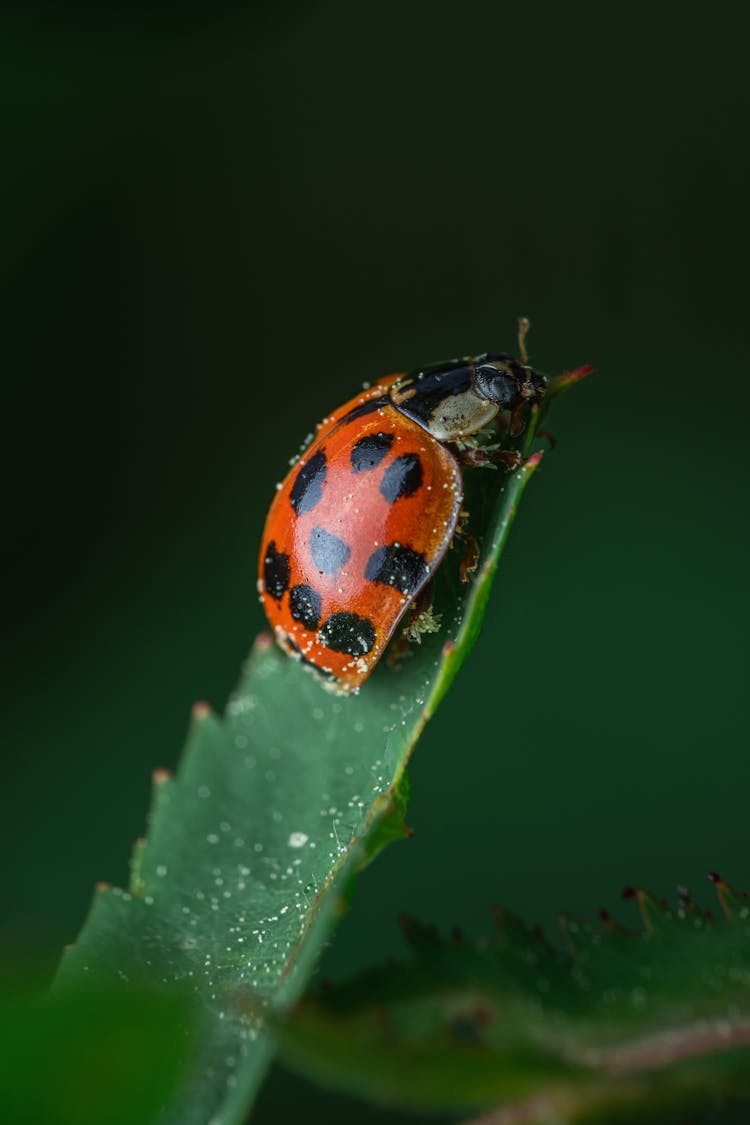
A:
(365, 516)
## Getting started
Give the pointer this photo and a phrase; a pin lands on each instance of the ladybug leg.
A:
(503, 423)
(479, 458)
(397, 650)
(462, 536)
(470, 561)
(517, 422)
(462, 525)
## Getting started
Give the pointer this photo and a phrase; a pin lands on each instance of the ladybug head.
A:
(507, 382)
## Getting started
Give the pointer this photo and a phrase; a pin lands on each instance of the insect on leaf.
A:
(275, 805)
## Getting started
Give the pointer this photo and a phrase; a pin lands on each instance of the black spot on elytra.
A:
(275, 571)
(402, 477)
(370, 451)
(305, 606)
(329, 553)
(397, 566)
(308, 487)
(346, 632)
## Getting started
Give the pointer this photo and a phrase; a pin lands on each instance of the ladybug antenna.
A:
(524, 324)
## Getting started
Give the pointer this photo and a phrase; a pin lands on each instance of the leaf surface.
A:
(638, 1022)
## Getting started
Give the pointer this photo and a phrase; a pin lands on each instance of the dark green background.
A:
(215, 228)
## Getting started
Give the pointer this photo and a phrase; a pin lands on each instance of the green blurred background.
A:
(217, 224)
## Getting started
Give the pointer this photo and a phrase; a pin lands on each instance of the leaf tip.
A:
(732, 903)
(101, 887)
(651, 909)
(264, 641)
(201, 710)
(161, 776)
(567, 379)
(137, 887)
(534, 460)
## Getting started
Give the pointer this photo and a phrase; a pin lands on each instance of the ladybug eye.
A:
(497, 386)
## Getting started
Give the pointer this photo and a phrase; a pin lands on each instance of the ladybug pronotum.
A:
(366, 514)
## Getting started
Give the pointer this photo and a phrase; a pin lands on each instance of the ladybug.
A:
(365, 516)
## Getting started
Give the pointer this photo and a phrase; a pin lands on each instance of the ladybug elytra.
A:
(365, 516)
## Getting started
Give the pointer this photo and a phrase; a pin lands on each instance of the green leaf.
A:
(618, 1022)
(251, 848)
